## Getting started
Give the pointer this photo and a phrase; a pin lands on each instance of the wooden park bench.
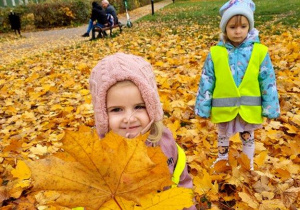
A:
(110, 28)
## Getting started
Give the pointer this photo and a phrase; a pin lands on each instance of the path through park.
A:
(35, 42)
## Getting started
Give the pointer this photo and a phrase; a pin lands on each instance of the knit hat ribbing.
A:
(237, 7)
(120, 67)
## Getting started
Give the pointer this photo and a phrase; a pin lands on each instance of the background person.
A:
(98, 17)
(109, 9)
(15, 22)
(234, 90)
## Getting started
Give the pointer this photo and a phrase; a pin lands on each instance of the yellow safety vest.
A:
(180, 165)
(229, 100)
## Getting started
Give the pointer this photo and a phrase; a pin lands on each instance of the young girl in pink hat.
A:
(126, 101)
(238, 86)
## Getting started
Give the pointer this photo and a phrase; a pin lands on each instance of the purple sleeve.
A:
(185, 179)
(169, 148)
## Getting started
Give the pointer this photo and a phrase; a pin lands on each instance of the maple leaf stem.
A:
(117, 202)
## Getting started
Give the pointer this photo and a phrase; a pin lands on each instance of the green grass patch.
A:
(206, 12)
(286, 12)
(188, 12)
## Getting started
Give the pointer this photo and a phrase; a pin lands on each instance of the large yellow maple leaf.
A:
(95, 174)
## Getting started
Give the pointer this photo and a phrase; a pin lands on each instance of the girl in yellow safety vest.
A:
(125, 100)
(238, 86)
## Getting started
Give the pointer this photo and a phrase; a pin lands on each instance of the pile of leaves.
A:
(45, 94)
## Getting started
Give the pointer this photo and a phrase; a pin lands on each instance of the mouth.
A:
(131, 127)
(132, 131)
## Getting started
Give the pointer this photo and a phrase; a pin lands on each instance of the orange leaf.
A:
(222, 166)
(203, 185)
(260, 159)
(284, 174)
(21, 171)
(110, 169)
(249, 200)
(244, 161)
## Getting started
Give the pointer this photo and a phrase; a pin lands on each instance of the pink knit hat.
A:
(120, 67)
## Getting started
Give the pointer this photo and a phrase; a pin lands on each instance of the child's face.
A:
(127, 114)
(237, 29)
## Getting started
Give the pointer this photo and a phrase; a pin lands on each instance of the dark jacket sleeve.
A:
(94, 14)
(111, 10)
(99, 15)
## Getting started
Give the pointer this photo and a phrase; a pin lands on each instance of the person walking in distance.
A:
(15, 22)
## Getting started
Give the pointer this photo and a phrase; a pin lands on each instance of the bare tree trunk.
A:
(4, 3)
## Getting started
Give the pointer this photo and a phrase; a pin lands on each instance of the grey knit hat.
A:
(237, 7)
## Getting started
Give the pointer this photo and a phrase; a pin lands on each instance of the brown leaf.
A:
(4, 195)
(261, 185)
(290, 196)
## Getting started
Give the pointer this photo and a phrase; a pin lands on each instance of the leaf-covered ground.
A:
(42, 94)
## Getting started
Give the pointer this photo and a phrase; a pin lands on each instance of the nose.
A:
(238, 30)
(129, 116)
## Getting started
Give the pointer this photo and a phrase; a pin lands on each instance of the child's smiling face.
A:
(237, 29)
(126, 109)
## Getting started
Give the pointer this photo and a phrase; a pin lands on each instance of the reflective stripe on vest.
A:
(243, 100)
(229, 100)
(180, 165)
